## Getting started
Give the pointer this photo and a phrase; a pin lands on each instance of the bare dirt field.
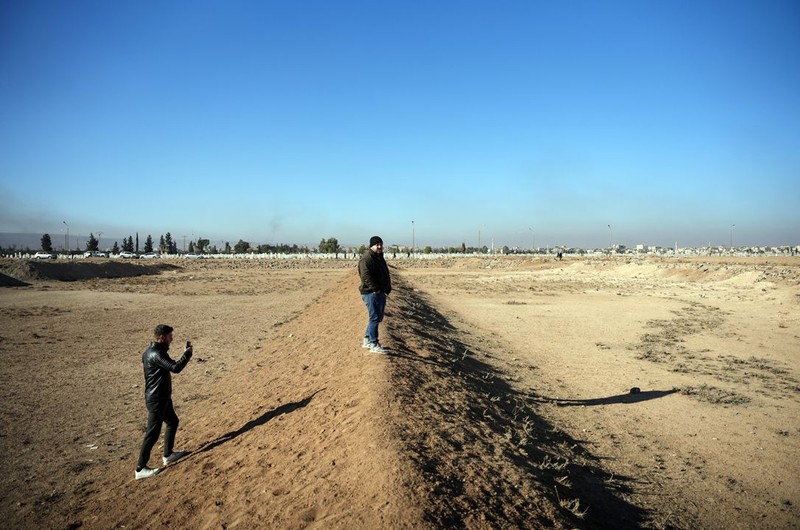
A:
(519, 393)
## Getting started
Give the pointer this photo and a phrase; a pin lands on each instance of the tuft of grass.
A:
(714, 395)
(549, 463)
(573, 506)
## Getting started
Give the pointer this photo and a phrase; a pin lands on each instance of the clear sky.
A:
(294, 121)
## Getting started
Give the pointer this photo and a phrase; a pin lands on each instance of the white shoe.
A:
(174, 457)
(377, 348)
(146, 472)
(365, 344)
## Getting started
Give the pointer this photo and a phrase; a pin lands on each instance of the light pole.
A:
(732, 227)
(610, 239)
(66, 237)
(99, 235)
(533, 240)
(413, 239)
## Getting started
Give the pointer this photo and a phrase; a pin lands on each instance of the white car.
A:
(149, 255)
(94, 254)
(128, 255)
(45, 255)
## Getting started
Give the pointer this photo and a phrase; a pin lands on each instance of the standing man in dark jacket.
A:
(158, 398)
(375, 285)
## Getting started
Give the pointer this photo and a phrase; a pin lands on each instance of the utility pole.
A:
(533, 243)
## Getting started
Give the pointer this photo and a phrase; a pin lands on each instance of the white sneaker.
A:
(146, 472)
(377, 348)
(365, 344)
(174, 457)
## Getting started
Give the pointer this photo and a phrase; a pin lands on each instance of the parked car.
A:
(45, 255)
(94, 254)
(128, 255)
(192, 255)
(149, 255)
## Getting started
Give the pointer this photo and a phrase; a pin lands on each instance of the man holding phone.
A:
(158, 367)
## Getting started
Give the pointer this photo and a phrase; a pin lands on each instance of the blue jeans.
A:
(376, 303)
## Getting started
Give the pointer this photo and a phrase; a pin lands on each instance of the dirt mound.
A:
(70, 271)
(8, 281)
(287, 431)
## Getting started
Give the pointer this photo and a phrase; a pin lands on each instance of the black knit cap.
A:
(374, 240)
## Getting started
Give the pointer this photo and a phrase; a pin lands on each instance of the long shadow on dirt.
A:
(261, 420)
(620, 399)
(489, 456)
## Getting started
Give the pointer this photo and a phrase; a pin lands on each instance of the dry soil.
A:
(527, 393)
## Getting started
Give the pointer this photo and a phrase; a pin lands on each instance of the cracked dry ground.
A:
(503, 405)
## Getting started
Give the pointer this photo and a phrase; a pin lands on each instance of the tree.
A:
(201, 244)
(169, 243)
(92, 243)
(162, 246)
(148, 244)
(241, 247)
(47, 244)
(115, 248)
(330, 246)
(127, 244)
(427, 249)
(191, 247)
(227, 248)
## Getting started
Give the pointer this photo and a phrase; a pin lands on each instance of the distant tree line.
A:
(167, 245)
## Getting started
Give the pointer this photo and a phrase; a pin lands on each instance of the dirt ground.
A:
(586, 393)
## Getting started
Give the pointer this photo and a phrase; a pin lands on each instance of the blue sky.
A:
(293, 121)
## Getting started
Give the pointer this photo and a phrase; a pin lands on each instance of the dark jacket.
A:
(374, 274)
(157, 368)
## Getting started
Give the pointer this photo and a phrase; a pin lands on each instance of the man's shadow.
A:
(261, 420)
(620, 399)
